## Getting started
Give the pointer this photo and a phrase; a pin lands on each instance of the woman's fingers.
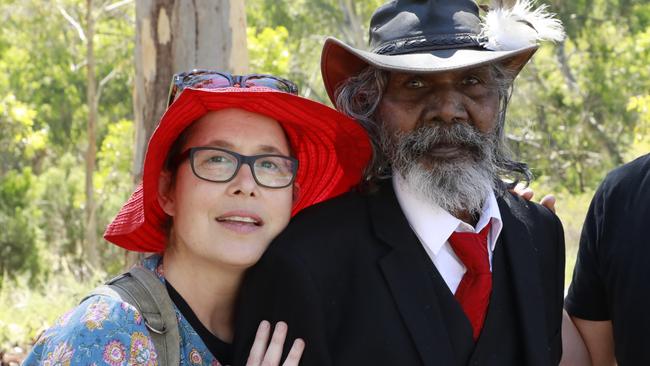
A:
(265, 353)
(258, 350)
(524, 192)
(549, 202)
(274, 351)
(293, 358)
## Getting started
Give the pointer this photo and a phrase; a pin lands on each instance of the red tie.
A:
(474, 290)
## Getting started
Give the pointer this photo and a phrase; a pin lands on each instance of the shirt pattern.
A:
(107, 331)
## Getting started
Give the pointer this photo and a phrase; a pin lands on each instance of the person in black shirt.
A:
(609, 296)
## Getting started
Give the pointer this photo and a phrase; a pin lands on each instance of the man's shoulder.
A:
(327, 229)
(531, 212)
(345, 210)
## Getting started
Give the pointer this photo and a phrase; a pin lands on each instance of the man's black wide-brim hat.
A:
(425, 36)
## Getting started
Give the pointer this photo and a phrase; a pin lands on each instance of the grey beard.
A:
(456, 184)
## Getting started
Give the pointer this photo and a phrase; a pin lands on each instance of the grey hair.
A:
(359, 97)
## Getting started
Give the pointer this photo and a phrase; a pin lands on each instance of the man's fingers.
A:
(274, 352)
(549, 202)
(293, 358)
(259, 345)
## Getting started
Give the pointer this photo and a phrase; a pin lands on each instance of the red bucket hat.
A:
(331, 148)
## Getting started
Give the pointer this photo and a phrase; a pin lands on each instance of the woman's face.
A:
(231, 223)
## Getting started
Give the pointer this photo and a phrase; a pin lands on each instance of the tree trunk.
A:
(91, 223)
(180, 35)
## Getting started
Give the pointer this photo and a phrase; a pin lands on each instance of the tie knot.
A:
(471, 249)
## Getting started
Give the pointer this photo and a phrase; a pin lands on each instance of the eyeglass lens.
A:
(207, 81)
(261, 80)
(220, 166)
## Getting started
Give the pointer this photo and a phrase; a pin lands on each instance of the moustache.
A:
(445, 141)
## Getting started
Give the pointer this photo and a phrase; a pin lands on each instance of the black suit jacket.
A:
(351, 278)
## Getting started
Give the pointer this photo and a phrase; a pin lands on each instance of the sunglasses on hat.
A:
(206, 79)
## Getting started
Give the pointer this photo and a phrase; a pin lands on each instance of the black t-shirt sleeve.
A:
(587, 298)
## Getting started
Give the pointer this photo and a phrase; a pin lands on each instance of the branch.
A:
(116, 5)
(78, 66)
(74, 23)
(103, 83)
(569, 78)
(523, 140)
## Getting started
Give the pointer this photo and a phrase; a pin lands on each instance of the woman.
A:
(233, 158)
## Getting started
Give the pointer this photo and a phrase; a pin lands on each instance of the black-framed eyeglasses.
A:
(220, 166)
(208, 79)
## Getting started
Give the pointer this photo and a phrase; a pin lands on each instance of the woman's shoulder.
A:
(100, 330)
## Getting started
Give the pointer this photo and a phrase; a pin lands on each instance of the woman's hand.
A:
(526, 193)
(264, 353)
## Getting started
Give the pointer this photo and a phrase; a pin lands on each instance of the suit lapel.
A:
(407, 277)
(525, 276)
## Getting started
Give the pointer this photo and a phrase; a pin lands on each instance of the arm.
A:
(599, 339)
(574, 351)
(279, 288)
(586, 301)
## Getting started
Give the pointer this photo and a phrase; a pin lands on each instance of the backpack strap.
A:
(142, 289)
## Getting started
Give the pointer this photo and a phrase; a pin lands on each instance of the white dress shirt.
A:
(433, 226)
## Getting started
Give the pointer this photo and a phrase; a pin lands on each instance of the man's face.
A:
(438, 132)
(447, 97)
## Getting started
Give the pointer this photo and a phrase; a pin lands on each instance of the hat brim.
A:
(340, 61)
(332, 151)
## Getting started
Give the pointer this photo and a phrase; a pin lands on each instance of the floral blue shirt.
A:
(107, 331)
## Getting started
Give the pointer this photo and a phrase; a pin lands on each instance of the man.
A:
(432, 262)
(609, 299)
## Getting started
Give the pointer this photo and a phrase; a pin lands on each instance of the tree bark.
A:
(91, 152)
(179, 35)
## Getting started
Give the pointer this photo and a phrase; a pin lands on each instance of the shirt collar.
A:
(433, 225)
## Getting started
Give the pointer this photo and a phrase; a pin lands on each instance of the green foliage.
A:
(25, 313)
(51, 73)
(60, 192)
(20, 143)
(43, 114)
(573, 116)
(18, 245)
(114, 184)
(268, 50)
(308, 23)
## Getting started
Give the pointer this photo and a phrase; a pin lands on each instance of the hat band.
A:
(429, 43)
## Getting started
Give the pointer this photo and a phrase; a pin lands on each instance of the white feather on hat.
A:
(519, 26)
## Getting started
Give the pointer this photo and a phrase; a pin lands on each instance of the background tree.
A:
(180, 35)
